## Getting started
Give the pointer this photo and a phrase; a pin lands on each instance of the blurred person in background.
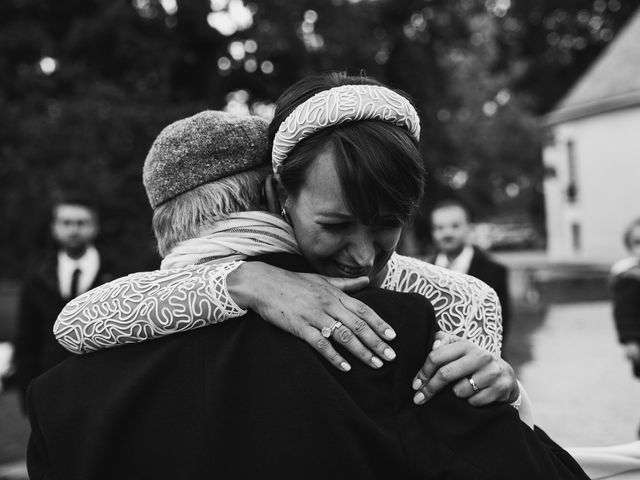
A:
(73, 266)
(625, 283)
(451, 231)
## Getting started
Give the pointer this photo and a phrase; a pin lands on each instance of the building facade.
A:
(592, 156)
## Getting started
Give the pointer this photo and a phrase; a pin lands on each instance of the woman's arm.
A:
(487, 317)
(468, 312)
(149, 305)
(464, 306)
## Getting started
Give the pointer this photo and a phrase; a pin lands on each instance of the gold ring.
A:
(473, 384)
(328, 331)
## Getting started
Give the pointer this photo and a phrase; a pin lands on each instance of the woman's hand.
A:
(304, 304)
(476, 374)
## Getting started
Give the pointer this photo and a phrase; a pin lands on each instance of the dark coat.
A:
(626, 308)
(494, 274)
(244, 400)
(40, 302)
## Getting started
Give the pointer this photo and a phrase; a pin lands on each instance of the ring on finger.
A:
(328, 331)
(473, 384)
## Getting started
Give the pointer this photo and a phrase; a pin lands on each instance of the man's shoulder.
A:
(91, 377)
(41, 267)
(487, 260)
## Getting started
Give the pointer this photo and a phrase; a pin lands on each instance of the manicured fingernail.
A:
(418, 398)
(436, 344)
(390, 354)
(417, 383)
(376, 362)
(390, 334)
(345, 366)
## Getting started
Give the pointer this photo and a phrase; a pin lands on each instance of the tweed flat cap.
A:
(200, 149)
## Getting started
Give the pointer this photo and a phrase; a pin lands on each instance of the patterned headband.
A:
(347, 103)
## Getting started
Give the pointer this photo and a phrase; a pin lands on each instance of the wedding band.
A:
(473, 384)
(328, 331)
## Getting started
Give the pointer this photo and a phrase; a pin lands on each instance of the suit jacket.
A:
(626, 308)
(494, 274)
(40, 302)
(245, 400)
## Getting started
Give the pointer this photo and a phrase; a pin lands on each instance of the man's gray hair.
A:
(191, 213)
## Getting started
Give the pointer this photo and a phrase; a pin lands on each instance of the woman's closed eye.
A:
(335, 226)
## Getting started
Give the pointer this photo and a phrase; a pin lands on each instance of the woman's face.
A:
(329, 235)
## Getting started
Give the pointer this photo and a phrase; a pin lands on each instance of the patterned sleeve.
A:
(488, 318)
(147, 305)
(464, 305)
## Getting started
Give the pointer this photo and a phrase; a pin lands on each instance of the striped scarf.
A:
(241, 235)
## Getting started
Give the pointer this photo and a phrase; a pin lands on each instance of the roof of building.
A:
(612, 82)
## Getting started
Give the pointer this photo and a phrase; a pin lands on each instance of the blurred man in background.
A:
(62, 273)
(451, 231)
(625, 285)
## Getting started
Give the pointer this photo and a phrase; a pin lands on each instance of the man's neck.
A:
(453, 254)
(76, 253)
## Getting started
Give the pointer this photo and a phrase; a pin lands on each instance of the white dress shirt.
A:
(460, 264)
(88, 264)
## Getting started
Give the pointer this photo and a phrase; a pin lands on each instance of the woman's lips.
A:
(351, 271)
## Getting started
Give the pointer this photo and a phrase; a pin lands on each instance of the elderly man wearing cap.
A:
(246, 400)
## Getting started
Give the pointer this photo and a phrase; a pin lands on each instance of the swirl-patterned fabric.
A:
(464, 306)
(149, 305)
(347, 103)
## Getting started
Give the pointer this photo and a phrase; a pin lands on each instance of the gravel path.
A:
(581, 386)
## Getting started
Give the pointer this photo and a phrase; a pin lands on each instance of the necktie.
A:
(75, 277)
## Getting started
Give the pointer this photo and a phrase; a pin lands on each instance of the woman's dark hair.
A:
(378, 163)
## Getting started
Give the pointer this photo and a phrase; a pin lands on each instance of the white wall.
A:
(607, 159)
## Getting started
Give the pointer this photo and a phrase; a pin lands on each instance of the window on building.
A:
(572, 187)
(576, 237)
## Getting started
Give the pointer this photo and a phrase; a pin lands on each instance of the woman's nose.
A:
(361, 247)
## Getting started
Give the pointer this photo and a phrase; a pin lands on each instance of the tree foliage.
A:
(86, 85)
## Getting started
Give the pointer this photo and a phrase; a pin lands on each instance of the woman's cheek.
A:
(326, 243)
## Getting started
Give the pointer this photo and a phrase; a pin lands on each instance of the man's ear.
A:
(272, 195)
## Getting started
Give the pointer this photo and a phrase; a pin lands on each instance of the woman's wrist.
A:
(243, 283)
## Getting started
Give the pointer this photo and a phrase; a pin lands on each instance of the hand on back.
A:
(475, 374)
(309, 305)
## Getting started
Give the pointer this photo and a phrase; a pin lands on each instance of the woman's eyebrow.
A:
(334, 214)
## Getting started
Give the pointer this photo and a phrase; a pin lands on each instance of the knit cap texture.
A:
(200, 149)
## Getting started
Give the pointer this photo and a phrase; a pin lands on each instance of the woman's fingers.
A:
(313, 337)
(347, 284)
(478, 376)
(358, 308)
(305, 304)
(323, 341)
(346, 337)
(372, 321)
(360, 321)
(492, 385)
(447, 364)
